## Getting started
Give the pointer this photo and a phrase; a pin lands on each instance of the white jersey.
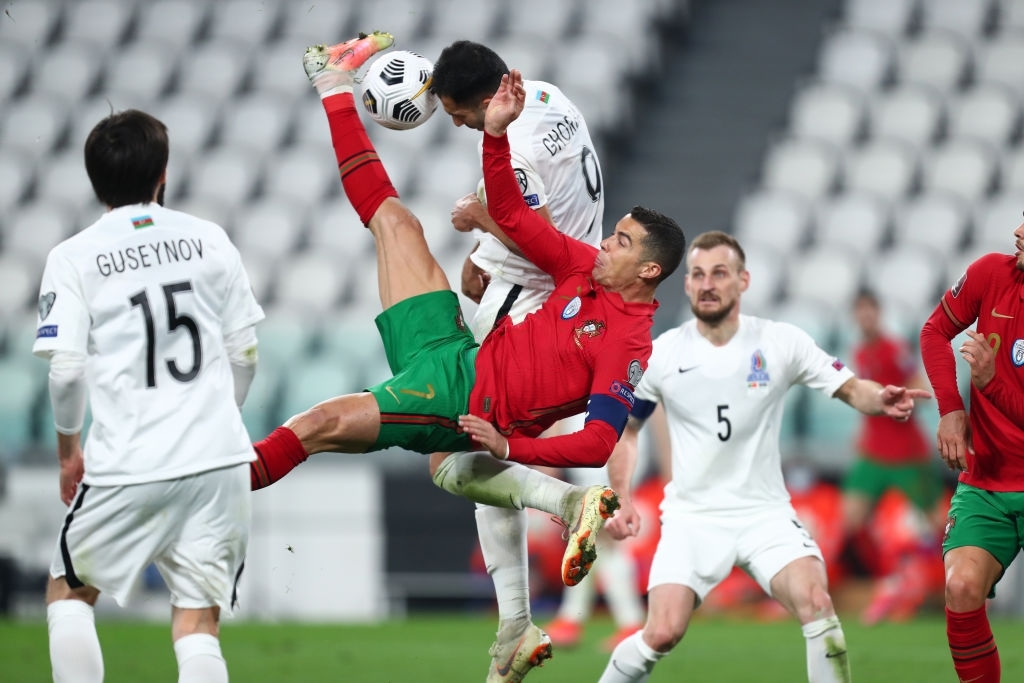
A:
(148, 294)
(724, 408)
(556, 164)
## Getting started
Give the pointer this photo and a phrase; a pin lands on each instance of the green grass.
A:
(453, 649)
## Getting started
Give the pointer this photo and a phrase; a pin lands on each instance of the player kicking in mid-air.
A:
(585, 348)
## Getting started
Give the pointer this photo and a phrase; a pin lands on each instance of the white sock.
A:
(827, 661)
(631, 661)
(502, 533)
(618, 581)
(75, 654)
(483, 478)
(200, 659)
(578, 600)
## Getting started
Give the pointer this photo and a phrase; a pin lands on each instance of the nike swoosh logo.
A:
(428, 394)
(388, 389)
(968, 680)
(692, 367)
(507, 666)
(1000, 315)
(830, 655)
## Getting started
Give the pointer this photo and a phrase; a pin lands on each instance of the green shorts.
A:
(431, 353)
(921, 482)
(990, 520)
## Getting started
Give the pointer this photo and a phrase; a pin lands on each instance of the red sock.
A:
(276, 456)
(975, 656)
(363, 176)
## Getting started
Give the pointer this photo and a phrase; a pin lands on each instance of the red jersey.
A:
(888, 360)
(584, 349)
(991, 292)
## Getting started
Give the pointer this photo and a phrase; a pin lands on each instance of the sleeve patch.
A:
(46, 331)
(622, 391)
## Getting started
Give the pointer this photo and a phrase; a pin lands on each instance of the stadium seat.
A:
(911, 113)
(766, 267)
(888, 17)
(302, 174)
(530, 54)
(935, 221)
(827, 112)
(63, 178)
(279, 73)
(228, 174)
(938, 59)
(208, 208)
(585, 70)
(177, 22)
(332, 226)
(434, 212)
(1012, 174)
(247, 21)
(963, 167)
(284, 335)
(857, 58)
(450, 171)
(214, 69)
(15, 63)
(30, 25)
(811, 315)
(778, 220)
(100, 22)
(605, 21)
(558, 19)
(312, 380)
(139, 71)
(260, 407)
(71, 71)
(967, 19)
(990, 113)
(831, 427)
(851, 221)
(313, 283)
(36, 227)
(995, 220)
(16, 176)
(19, 283)
(262, 272)
(258, 121)
(315, 23)
(455, 19)
(17, 401)
(190, 119)
(909, 276)
(351, 337)
(1011, 15)
(404, 20)
(269, 227)
(885, 168)
(825, 275)
(20, 332)
(805, 167)
(1000, 60)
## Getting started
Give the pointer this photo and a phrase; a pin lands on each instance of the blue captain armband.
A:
(607, 409)
(642, 409)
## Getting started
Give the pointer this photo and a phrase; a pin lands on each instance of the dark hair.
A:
(125, 156)
(867, 295)
(717, 238)
(467, 72)
(665, 241)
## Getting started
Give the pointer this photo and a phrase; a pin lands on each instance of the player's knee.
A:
(663, 636)
(965, 591)
(813, 602)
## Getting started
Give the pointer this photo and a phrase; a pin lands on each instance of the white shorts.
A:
(195, 529)
(699, 551)
(494, 300)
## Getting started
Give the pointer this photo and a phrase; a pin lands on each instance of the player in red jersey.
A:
(585, 348)
(892, 455)
(986, 446)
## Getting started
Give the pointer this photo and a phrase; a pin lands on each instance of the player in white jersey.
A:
(148, 315)
(556, 163)
(722, 379)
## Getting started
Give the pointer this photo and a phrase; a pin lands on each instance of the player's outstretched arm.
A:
(871, 398)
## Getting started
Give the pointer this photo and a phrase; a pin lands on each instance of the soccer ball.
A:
(396, 90)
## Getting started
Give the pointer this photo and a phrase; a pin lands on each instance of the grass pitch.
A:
(453, 649)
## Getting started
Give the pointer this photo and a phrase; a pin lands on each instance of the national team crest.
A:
(950, 523)
(46, 304)
(758, 376)
(590, 328)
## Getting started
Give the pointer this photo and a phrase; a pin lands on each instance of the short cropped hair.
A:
(717, 238)
(665, 241)
(125, 157)
(467, 72)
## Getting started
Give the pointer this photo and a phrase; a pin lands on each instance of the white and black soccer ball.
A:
(396, 90)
